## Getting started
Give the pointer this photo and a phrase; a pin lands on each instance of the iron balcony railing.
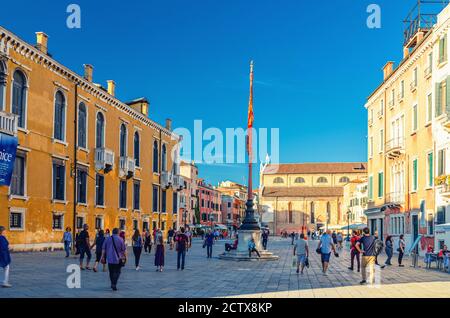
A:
(104, 159)
(395, 146)
(8, 123)
(395, 197)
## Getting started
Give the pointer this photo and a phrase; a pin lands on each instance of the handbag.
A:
(122, 261)
(319, 250)
(307, 262)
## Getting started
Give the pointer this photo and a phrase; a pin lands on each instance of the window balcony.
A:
(104, 159)
(127, 167)
(413, 85)
(443, 185)
(380, 113)
(428, 71)
(400, 97)
(8, 123)
(442, 59)
(391, 103)
(178, 183)
(395, 148)
(166, 179)
(370, 121)
(395, 198)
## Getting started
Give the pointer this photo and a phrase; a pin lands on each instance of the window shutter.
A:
(438, 100)
(447, 96)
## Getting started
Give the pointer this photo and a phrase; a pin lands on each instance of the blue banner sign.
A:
(8, 148)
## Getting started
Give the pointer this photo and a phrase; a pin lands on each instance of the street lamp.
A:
(348, 224)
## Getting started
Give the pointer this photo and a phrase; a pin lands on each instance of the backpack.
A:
(378, 248)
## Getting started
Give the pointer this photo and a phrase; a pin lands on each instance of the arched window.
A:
(299, 180)
(137, 146)
(278, 180)
(100, 131)
(344, 180)
(313, 212)
(322, 180)
(155, 156)
(2, 85)
(123, 141)
(19, 97)
(60, 116)
(82, 126)
(164, 158)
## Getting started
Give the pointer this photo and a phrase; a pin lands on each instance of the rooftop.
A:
(303, 192)
(315, 168)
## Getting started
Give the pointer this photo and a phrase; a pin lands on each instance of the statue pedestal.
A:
(241, 253)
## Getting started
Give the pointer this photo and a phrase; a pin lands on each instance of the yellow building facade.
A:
(70, 128)
(306, 196)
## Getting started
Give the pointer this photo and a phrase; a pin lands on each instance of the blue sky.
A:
(315, 63)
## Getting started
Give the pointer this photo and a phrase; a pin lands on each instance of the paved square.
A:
(44, 275)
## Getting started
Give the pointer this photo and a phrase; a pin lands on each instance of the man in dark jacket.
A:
(5, 257)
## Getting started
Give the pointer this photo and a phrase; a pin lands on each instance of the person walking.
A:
(5, 258)
(136, 243)
(182, 242)
(326, 245)
(302, 250)
(292, 238)
(114, 254)
(354, 253)
(401, 250)
(122, 236)
(252, 248)
(147, 242)
(339, 240)
(99, 240)
(366, 246)
(67, 240)
(170, 235)
(265, 238)
(208, 243)
(389, 249)
(159, 254)
(85, 247)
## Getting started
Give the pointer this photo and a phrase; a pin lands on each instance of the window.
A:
(123, 141)
(402, 89)
(430, 224)
(430, 171)
(16, 219)
(370, 188)
(82, 126)
(59, 181)
(154, 225)
(163, 201)
(443, 49)
(155, 199)
(100, 131)
(441, 162)
(122, 194)
(175, 202)
(58, 221)
(98, 223)
(397, 224)
(381, 112)
(2, 85)
(145, 226)
(322, 180)
(122, 223)
(19, 97)
(429, 107)
(60, 117)
(137, 149)
(392, 102)
(135, 225)
(164, 158)
(440, 215)
(278, 180)
(136, 195)
(371, 147)
(79, 222)
(344, 180)
(414, 118)
(441, 97)
(18, 177)
(381, 140)
(414, 82)
(99, 190)
(82, 185)
(155, 157)
(429, 69)
(380, 184)
(203, 203)
(163, 225)
(204, 217)
(299, 180)
(415, 175)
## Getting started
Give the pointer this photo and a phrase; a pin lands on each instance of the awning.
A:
(331, 227)
(375, 213)
(356, 226)
(221, 227)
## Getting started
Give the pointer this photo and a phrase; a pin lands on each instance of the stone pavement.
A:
(44, 275)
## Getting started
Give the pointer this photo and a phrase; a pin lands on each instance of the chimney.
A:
(387, 70)
(405, 52)
(169, 124)
(141, 105)
(88, 72)
(111, 87)
(42, 42)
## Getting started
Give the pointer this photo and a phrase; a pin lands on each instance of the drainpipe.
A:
(74, 224)
(159, 178)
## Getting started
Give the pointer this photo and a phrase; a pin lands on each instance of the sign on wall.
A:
(8, 148)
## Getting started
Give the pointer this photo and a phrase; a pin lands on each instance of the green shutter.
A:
(430, 169)
(447, 97)
(438, 109)
(415, 174)
(371, 188)
(380, 184)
